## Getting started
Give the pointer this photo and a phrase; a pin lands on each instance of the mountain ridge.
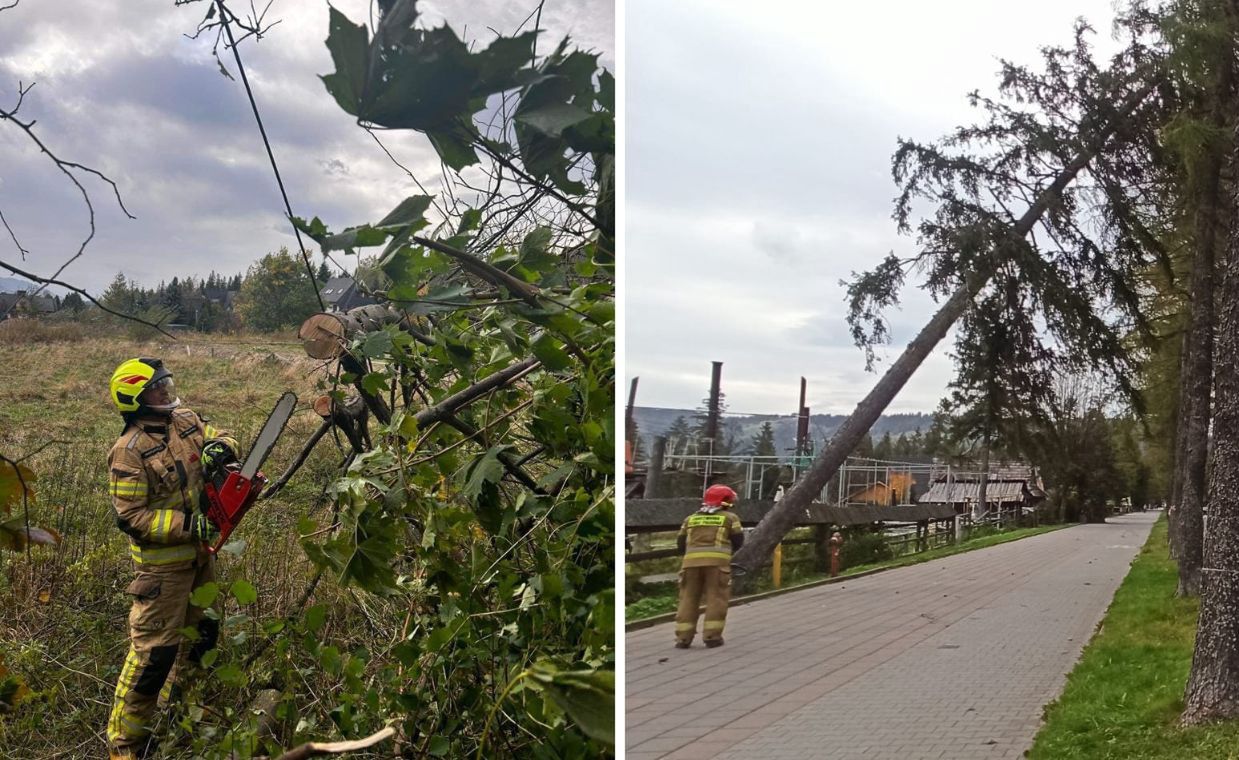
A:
(741, 429)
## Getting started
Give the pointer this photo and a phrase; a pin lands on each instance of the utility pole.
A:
(802, 431)
(712, 414)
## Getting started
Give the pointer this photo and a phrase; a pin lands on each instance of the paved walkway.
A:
(953, 658)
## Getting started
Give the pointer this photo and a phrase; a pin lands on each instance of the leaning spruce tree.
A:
(1074, 120)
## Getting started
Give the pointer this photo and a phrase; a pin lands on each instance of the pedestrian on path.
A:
(707, 539)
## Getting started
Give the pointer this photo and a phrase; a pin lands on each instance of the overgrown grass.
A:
(1124, 697)
(661, 603)
(28, 330)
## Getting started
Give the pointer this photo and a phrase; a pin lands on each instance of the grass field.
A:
(62, 609)
(1124, 697)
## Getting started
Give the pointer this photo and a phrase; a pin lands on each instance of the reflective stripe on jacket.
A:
(707, 537)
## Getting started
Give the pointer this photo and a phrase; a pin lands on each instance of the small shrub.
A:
(863, 549)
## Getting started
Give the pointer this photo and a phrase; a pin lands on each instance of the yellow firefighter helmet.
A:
(137, 375)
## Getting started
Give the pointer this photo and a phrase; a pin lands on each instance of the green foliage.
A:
(479, 540)
(13, 688)
(197, 303)
(864, 549)
(17, 490)
(763, 442)
(276, 293)
(562, 134)
(1028, 212)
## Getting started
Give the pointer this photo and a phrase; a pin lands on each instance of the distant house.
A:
(221, 296)
(896, 489)
(1008, 487)
(341, 294)
(20, 304)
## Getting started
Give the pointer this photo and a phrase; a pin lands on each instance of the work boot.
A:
(683, 644)
(139, 752)
(711, 643)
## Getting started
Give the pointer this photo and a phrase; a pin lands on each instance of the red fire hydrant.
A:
(836, 540)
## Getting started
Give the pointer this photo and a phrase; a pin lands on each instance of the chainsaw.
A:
(232, 487)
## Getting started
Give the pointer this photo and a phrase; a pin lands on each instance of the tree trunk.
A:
(1176, 467)
(770, 531)
(1197, 384)
(978, 512)
(1213, 686)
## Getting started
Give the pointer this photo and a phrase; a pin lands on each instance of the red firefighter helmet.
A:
(719, 496)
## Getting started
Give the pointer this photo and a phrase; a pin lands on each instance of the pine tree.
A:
(763, 442)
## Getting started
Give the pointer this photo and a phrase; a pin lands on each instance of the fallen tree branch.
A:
(466, 439)
(504, 458)
(483, 269)
(314, 749)
(450, 405)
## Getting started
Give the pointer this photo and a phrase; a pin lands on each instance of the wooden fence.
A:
(644, 516)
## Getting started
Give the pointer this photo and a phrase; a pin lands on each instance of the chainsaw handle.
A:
(228, 501)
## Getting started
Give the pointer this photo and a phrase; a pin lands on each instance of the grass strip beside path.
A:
(1124, 696)
(651, 606)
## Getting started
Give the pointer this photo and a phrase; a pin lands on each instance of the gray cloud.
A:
(758, 149)
(125, 92)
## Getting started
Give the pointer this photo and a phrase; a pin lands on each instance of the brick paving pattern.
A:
(953, 658)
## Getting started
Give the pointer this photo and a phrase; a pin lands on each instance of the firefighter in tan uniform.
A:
(155, 479)
(707, 539)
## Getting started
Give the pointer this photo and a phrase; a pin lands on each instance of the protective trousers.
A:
(160, 609)
(712, 582)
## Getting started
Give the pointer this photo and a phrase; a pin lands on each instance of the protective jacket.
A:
(708, 537)
(155, 479)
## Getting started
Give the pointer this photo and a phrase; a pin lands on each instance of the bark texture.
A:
(1213, 686)
(1196, 386)
(1176, 472)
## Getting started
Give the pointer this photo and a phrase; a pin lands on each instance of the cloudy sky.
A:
(758, 152)
(121, 89)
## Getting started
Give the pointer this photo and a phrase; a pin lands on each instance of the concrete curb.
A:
(668, 617)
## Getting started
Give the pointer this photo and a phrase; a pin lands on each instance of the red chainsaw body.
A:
(229, 499)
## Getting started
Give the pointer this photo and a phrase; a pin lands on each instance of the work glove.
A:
(217, 454)
(201, 528)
